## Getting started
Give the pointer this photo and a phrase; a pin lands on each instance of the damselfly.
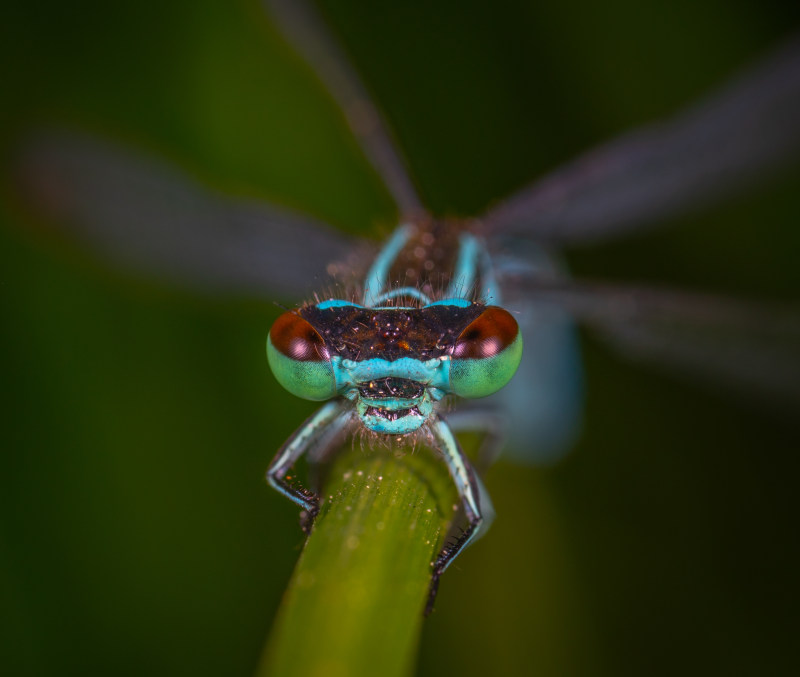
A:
(749, 126)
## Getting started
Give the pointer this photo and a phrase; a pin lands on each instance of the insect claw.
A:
(432, 594)
(308, 515)
(307, 520)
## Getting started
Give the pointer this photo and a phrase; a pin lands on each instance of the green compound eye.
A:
(486, 354)
(299, 358)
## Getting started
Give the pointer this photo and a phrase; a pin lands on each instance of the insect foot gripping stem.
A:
(469, 490)
(446, 556)
(310, 434)
(308, 516)
(434, 589)
(305, 498)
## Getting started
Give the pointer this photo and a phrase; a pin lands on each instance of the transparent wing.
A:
(142, 215)
(726, 142)
(752, 346)
(303, 26)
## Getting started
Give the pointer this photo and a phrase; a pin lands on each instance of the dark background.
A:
(137, 535)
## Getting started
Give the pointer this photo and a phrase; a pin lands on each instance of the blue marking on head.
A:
(455, 302)
(337, 303)
(393, 415)
(434, 373)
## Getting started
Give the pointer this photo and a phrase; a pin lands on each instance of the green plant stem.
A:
(355, 602)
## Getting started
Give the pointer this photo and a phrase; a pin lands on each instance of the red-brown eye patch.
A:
(296, 338)
(489, 334)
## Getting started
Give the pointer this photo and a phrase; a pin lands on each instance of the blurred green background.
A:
(137, 535)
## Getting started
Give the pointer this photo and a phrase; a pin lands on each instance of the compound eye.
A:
(300, 359)
(296, 339)
(486, 354)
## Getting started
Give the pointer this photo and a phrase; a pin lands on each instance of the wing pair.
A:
(144, 216)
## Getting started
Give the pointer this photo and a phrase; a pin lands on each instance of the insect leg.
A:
(328, 443)
(470, 490)
(313, 431)
(491, 423)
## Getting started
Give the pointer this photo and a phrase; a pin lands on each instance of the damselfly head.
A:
(394, 363)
